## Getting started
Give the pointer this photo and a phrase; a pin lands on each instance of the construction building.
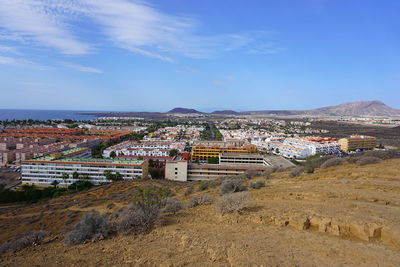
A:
(202, 151)
(61, 167)
(357, 142)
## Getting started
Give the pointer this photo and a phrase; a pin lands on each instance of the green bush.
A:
(150, 196)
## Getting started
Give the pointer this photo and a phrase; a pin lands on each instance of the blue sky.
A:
(155, 55)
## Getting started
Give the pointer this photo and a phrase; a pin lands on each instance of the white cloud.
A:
(134, 25)
(31, 21)
(82, 68)
(19, 62)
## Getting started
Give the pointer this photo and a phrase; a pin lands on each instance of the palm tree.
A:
(65, 177)
(55, 183)
(75, 175)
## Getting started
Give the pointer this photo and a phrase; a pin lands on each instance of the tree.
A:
(75, 175)
(113, 154)
(107, 174)
(173, 152)
(112, 176)
(55, 183)
(65, 177)
(213, 160)
(85, 177)
(117, 176)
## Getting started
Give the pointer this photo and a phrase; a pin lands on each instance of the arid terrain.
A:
(339, 216)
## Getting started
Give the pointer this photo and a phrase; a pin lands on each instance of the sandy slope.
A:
(340, 216)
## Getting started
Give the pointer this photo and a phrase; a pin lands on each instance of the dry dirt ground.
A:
(340, 216)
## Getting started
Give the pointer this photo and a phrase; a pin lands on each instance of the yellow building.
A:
(355, 142)
(201, 152)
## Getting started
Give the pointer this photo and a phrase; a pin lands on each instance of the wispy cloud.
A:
(8, 50)
(19, 62)
(81, 68)
(31, 20)
(134, 25)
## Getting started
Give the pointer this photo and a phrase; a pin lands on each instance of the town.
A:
(190, 149)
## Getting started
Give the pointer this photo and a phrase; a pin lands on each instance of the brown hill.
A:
(361, 108)
(339, 216)
(183, 111)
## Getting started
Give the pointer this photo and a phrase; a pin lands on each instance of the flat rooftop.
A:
(65, 159)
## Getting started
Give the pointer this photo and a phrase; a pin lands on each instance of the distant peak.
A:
(183, 110)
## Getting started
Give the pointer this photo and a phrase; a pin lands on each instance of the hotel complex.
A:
(44, 170)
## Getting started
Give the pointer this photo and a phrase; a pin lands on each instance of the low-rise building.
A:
(61, 166)
(144, 148)
(183, 171)
(242, 159)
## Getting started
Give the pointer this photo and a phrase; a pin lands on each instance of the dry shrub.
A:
(189, 191)
(353, 159)
(257, 185)
(252, 173)
(231, 185)
(382, 154)
(368, 160)
(71, 217)
(332, 162)
(91, 227)
(24, 240)
(233, 202)
(173, 205)
(198, 200)
(278, 169)
(296, 171)
(267, 173)
(138, 220)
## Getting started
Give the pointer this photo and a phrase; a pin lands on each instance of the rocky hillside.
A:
(345, 215)
(362, 108)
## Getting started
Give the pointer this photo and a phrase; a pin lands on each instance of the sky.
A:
(154, 55)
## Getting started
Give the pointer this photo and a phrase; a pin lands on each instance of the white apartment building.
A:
(44, 170)
(302, 148)
(144, 148)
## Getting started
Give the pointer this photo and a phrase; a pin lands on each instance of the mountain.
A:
(184, 111)
(361, 108)
(225, 112)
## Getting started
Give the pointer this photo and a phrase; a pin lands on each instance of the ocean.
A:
(43, 115)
